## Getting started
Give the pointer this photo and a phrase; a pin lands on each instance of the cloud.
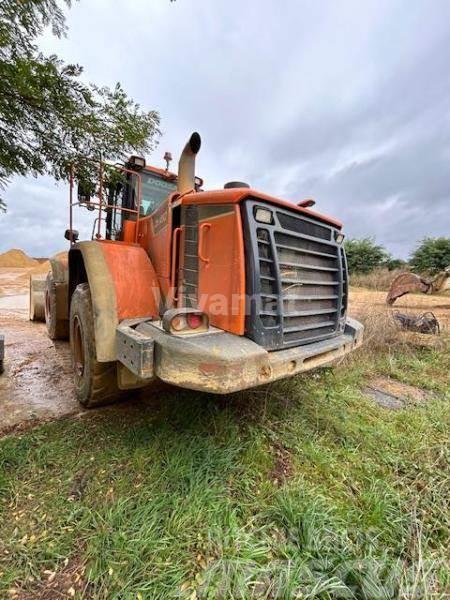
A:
(346, 102)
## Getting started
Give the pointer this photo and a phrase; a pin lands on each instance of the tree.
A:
(432, 255)
(395, 263)
(49, 118)
(364, 255)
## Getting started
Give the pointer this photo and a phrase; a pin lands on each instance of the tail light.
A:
(185, 321)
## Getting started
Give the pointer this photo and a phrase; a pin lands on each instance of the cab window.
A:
(154, 191)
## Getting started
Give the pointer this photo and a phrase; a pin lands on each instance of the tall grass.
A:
(379, 279)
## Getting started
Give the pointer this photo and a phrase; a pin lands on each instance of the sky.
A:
(343, 101)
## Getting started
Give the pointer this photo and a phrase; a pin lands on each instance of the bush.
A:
(432, 255)
(364, 255)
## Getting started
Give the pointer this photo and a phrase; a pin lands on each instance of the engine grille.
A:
(296, 279)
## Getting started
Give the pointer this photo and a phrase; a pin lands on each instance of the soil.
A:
(17, 258)
(37, 383)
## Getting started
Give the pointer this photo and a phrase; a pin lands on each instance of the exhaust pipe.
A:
(186, 164)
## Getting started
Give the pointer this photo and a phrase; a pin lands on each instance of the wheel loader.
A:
(216, 291)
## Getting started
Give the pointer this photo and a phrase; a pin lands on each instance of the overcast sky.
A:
(347, 102)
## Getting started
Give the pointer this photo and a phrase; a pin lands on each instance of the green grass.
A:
(302, 489)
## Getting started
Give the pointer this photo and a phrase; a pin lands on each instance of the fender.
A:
(123, 285)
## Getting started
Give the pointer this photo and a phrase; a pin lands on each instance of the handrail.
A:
(100, 204)
(203, 227)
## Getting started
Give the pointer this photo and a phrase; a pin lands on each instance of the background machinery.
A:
(410, 283)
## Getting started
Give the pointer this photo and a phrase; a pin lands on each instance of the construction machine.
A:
(216, 291)
(410, 283)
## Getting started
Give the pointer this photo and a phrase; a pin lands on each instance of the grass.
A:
(378, 279)
(304, 489)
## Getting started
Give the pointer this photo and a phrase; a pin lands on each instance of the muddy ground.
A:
(37, 383)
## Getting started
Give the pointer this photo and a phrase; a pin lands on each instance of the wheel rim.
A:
(78, 350)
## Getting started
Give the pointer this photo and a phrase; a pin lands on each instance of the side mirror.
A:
(72, 235)
(306, 203)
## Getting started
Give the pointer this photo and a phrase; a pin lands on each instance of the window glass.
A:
(154, 191)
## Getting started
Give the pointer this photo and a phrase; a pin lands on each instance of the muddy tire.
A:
(37, 293)
(95, 382)
(57, 329)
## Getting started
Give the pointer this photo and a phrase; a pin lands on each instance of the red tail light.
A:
(194, 320)
(185, 321)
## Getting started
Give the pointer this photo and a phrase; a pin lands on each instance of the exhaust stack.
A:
(186, 164)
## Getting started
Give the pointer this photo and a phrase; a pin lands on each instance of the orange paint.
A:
(134, 278)
(128, 231)
(236, 195)
(221, 286)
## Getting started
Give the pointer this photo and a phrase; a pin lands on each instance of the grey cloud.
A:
(347, 102)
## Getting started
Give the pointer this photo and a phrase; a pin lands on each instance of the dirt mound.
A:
(17, 259)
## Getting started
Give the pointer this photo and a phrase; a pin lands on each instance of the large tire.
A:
(57, 329)
(37, 298)
(95, 382)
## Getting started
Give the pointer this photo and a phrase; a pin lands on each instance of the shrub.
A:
(364, 255)
(432, 255)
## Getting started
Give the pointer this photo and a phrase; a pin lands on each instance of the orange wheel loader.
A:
(216, 291)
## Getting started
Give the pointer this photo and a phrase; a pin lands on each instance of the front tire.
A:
(95, 382)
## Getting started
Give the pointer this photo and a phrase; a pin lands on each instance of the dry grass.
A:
(383, 334)
(378, 279)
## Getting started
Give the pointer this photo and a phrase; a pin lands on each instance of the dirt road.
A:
(37, 383)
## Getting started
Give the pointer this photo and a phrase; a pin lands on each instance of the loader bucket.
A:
(406, 283)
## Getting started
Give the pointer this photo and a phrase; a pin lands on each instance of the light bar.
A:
(137, 162)
(262, 215)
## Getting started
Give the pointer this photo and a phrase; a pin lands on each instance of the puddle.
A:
(14, 302)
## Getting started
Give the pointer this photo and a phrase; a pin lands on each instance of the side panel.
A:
(155, 236)
(123, 285)
(221, 267)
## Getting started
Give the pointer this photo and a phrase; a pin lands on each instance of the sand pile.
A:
(43, 265)
(17, 259)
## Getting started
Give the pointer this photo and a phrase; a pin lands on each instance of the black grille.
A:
(296, 279)
(189, 289)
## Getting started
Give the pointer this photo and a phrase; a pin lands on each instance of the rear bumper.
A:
(219, 362)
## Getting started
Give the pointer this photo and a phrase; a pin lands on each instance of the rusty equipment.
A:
(424, 323)
(409, 283)
(216, 291)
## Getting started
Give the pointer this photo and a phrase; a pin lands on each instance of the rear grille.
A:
(296, 278)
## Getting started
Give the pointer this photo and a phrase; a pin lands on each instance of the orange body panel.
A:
(221, 286)
(234, 196)
(155, 235)
(135, 281)
(128, 231)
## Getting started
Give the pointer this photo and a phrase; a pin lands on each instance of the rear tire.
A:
(57, 329)
(95, 382)
(37, 298)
